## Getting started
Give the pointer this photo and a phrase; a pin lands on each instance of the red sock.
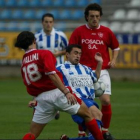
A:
(94, 129)
(107, 113)
(29, 136)
(80, 128)
(81, 132)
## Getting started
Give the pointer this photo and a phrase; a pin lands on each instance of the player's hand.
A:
(112, 63)
(71, 99)
(98, 57)
(32, 103)
(56, 53)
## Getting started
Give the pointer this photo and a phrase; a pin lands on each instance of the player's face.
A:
(48, 23)
(93, 19)
(74, 56)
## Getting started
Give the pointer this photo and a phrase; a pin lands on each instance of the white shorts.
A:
(48, 103)
(104, 77)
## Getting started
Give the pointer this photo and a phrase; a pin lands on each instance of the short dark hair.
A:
(70, 47)
(24, 40)
(47, 15)
(93, 6)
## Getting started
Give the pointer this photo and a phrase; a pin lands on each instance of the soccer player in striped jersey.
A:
(51, 39)
(81, 78)
(93, 38)
(43, 81)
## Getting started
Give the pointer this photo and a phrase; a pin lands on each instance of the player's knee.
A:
(105, 99)
(106, 102)
(98, 115)
(87, 115)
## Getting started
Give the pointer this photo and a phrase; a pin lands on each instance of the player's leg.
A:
(81, 132)
(35, 130)
(95, 112)
(90, 122)
(107, 111)
(106, 103)
(44, 112)
(81, 110)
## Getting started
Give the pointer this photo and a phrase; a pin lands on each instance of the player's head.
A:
(24, 40)
(73, 53)
(93, 13)
(48, 22)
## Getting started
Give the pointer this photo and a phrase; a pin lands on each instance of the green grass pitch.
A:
(15, 116)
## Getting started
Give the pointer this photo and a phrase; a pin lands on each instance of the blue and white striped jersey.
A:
(57, 40)
(79, 77)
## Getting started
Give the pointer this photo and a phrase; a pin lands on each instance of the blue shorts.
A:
(78, 119)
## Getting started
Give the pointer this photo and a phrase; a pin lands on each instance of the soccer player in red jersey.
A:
(43, 81)
(94, 38)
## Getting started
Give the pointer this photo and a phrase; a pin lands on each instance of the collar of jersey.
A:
(68, 62)
(92, 29)
(30, 50)
(52, 32)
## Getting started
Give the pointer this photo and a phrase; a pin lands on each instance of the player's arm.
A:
(115, 49)
(115, 53)
(99, 60)
(58, 83)
(59, 53)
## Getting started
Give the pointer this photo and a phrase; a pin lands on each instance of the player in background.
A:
(43, 81)
(81, 78)
(51, 39)
(94, 38)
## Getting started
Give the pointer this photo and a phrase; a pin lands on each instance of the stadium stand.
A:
(29, 14)
(5, 14)
(69, 3)
(22, 3)
(132, 14)
(137, 27)
(115, 26)
(119, 14)
(66, 12)
(17, 14)
(127, 27)
(133, 3)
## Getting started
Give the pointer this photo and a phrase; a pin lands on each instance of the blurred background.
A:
(122, 16)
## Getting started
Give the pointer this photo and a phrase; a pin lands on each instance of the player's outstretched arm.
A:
(58, 83)
(99, 59)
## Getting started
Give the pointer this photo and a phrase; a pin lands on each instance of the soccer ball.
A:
(99, 88)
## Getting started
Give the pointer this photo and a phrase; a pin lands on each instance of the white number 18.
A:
(33, 74)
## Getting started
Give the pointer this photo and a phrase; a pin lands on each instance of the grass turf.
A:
(15, 116)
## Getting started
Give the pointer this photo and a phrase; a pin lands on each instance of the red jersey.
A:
(92, 41)
(36, 66)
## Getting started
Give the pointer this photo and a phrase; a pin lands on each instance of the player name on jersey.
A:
(30, 58)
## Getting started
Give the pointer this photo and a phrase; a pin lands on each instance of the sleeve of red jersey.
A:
(49, 62)
(74, 38)
(114, 42)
